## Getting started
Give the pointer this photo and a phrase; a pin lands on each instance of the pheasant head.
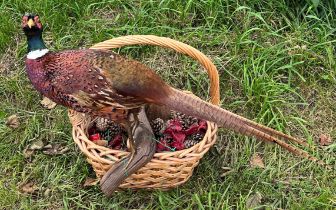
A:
(32, 27)
(31, 24)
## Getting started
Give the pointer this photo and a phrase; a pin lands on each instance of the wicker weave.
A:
(166, 169)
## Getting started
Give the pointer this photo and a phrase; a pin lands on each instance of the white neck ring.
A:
(37, 53)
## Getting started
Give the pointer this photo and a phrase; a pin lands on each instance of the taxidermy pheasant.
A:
(102, 83)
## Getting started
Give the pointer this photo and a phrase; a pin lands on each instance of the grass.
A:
(276, 61)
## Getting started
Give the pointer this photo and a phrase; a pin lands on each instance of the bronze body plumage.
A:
(103, 83)
(94, 82)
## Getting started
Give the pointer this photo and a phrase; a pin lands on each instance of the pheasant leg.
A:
(145, 147)
(130, 127)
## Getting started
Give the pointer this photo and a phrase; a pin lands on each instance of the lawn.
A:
(276, 61)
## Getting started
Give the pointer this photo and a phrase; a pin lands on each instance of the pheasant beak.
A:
(30, 23)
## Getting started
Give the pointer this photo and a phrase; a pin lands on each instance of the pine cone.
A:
(115, 129)
(189, 120)
(185, 120)
(102, 124)
(157, 126)
(112, 130)
(177, 115)
(197, 137)
(173, 114)
(185, 125)
(180, 117)
(189, 143)
(192, 120)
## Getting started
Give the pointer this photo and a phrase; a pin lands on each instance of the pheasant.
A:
(103, 83)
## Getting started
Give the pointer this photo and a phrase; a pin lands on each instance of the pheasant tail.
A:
(194, 106)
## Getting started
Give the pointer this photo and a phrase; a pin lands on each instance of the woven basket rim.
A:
(125, 153)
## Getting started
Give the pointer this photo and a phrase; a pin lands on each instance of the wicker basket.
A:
(166, 169)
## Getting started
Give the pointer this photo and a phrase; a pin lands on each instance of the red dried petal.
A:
(179, 136)
(115, 143)
(94, 137)
(203, 126)
(92, 130)
(173, 126)
(178, 145)
(192, 129)
(162, 145)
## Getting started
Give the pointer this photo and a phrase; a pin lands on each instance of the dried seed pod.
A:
(101, 143)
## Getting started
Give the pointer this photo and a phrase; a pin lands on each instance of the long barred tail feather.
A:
(194, 106)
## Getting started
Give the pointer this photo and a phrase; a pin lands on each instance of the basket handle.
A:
(169, 43)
